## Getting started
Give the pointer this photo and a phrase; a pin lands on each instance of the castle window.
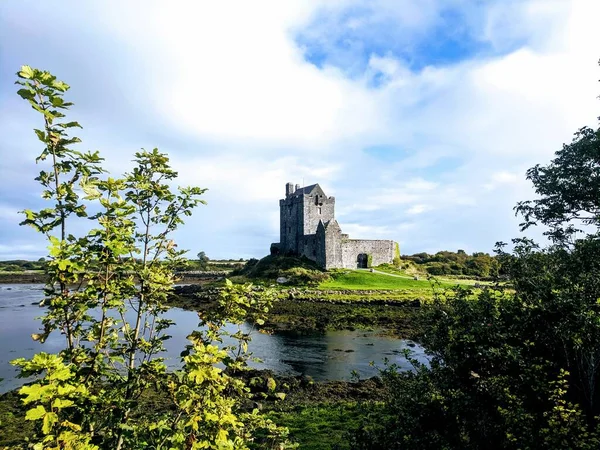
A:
(319, 209)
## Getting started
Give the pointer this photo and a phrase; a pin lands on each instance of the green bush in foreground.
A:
(85, 396)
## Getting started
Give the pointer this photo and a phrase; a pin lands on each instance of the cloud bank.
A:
(421, 117)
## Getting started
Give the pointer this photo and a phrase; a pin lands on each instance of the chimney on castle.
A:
(289, 189)
(297, 187)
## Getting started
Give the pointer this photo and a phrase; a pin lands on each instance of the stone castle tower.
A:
(308, 228)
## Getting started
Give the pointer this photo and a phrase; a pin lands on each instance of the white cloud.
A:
(231, 78)
(417, 209)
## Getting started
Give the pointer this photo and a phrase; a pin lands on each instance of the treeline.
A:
(480, 265)
(20, 265)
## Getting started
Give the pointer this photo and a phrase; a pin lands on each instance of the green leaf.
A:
(26, 72)
(62, 374)
(35, 413)
(26, 94)
(49, 420)
(56, 101)
(60, 403)
(61, 86)
(41, 135)
(69, 124)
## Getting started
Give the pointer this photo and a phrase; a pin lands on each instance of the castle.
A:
(308, 228)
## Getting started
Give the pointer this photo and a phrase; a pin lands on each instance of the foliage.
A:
(569, 188)
(478, 264)
(304, 277)
(273, 266)
(106, 292)
(323, 426)
(203, 261)
(498, 379)
(20, 265)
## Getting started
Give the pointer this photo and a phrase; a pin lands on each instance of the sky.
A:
(420, 116)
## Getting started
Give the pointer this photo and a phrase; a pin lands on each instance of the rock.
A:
(306, 380)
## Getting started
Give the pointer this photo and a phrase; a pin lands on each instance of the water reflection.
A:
(332, 356)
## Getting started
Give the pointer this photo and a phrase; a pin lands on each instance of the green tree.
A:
(569, 188)
(203, 260)
(106, 293)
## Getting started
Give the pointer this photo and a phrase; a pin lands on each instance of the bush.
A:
(302, 276)
(274, 266)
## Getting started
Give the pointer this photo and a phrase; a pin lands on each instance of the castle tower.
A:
(300, 213)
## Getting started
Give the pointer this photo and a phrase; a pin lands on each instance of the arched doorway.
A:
(362, 261)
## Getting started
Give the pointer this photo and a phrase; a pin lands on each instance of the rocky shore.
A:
(305, 311)
(204, 294)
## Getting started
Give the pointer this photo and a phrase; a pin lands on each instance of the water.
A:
(330, 356)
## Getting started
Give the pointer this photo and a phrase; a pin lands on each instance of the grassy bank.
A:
(364, 279)
(321, 426)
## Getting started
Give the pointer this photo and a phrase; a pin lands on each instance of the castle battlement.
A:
(308, 228)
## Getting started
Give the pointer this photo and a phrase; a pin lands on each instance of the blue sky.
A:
(420, 116)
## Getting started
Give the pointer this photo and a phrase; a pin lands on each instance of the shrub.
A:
(301, 276)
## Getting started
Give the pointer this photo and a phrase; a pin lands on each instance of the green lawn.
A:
(362, 279)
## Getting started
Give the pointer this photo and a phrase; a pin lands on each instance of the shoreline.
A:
(302, 315)
(40, 277)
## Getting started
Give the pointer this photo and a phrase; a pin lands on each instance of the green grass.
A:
(365, 280)
(320, 427)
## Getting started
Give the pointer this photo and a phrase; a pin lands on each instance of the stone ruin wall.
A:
(329, 249)
(315, 210)
(381, 251)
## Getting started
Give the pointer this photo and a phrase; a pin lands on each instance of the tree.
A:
(203, 260)
(106, 293)
(569, 188)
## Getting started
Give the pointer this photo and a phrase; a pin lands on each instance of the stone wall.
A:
(291, 210)
(380, 251)
(317, 208)
(329, 248)
(308, 246)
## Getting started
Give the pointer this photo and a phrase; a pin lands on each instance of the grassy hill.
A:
(365, 280)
